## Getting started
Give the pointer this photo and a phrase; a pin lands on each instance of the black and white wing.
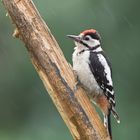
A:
(101, 69)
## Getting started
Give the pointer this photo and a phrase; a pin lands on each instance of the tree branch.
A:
(56, 74)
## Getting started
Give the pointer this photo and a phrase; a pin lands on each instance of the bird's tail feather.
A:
(107, 120)
(107, 123)
(116, 116)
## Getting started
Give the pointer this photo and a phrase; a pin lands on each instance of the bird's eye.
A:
(86, 38)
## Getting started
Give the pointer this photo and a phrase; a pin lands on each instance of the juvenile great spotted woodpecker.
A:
(94, 73)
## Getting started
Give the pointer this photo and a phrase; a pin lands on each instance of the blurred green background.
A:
(26, 110)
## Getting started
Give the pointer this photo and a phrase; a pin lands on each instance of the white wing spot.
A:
(106, 68)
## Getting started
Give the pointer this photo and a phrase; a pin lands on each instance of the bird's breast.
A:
(82, 69)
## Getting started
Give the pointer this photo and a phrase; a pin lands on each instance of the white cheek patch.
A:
(92, 42)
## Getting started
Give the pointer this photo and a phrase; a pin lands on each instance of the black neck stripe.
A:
(90, 49)
(84, 44)
(93, 48)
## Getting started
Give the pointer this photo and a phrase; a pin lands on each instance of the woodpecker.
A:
(94, 73)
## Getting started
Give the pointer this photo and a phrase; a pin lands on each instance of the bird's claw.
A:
(76, 86)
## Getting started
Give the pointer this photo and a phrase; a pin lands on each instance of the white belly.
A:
(81, 66)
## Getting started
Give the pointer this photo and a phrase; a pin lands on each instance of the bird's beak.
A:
(75, 38)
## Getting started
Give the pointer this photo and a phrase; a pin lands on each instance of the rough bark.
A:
(56, 74)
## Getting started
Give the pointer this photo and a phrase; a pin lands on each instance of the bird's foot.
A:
(76, 86)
